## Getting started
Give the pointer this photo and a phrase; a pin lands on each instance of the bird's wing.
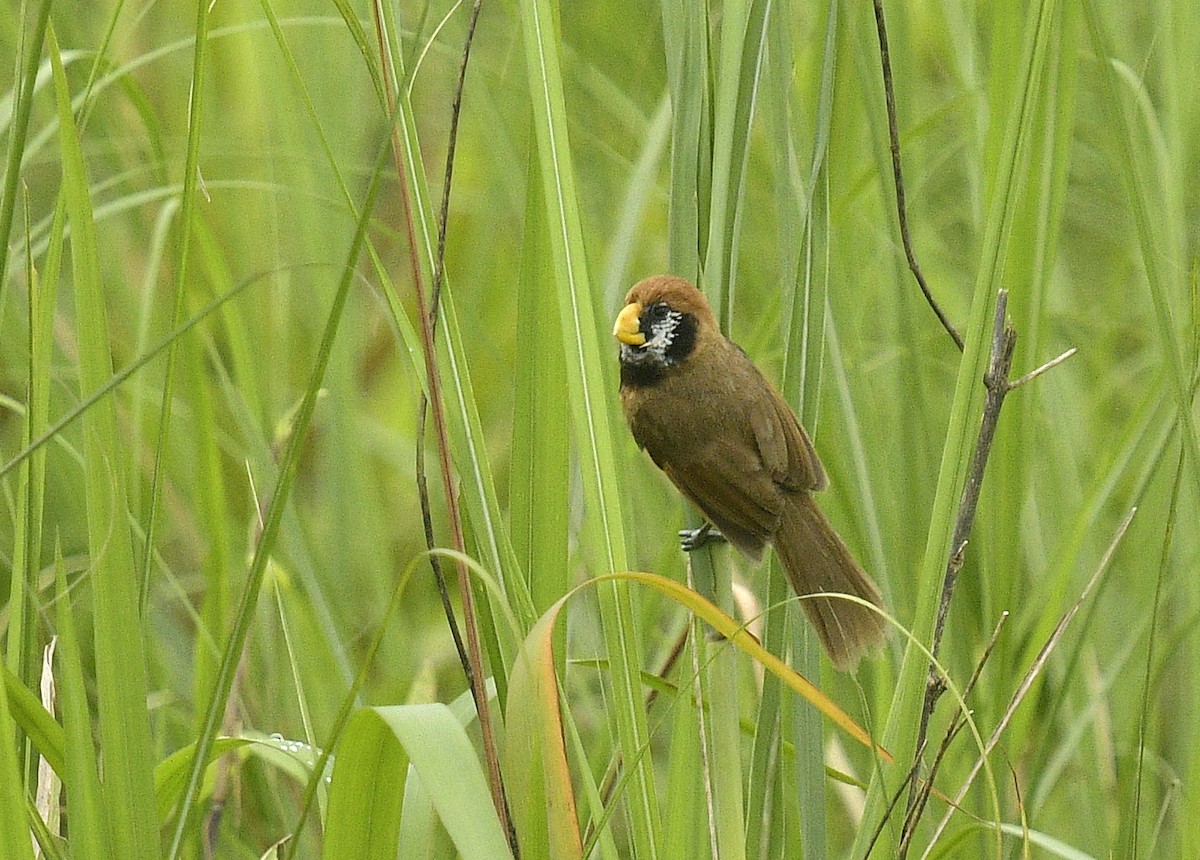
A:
(786, 451)
(737, 497)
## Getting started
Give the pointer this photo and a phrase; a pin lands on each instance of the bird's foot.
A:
(691, 540)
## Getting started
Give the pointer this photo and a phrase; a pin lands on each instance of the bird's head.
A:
(663, 320)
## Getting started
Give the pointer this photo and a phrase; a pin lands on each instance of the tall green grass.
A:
(209, 371)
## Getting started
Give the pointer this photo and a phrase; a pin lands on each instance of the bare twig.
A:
(1031, 675)
(956, 726)
(998, 386)
(1004, 339)
(439, 263)
(917, 809)
(901, 209)
(995, 380)
(435, 561)
(474, 665)
(439, 270)
(913, 773)
(1035, 373)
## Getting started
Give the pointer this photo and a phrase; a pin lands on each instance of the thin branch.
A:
(1004, 340)
(435, 562)
(996, 381)
(897, 174)
(439, 269)
(1034, 670)
(474, 666)
(451, 147)
(956, 725)
(1052, 363)
(913, 773)
(987, 653)
(927, 783)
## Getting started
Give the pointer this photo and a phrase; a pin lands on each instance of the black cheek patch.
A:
(683, 341)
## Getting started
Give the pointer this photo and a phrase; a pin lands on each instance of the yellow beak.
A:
(627, 330)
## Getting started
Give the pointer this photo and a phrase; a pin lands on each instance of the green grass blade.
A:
(688, 53)
(18, 133)
(187, 205)
(171, 774)
(590, 399)
(55, 430)
(540, 468)
(481, 501)
(739, 63)
(1034, 243)
(729, 143)
(21, 652)
(214, 516)
(366, 798)
(471, 459)
(686, 47)
(419, 826)
(121, 676)
(36, 722)
(365, 46)
(685, 830)
(85, 800)
(804, 264)
(466, 429)
(1052, 847)
(14, 836)
(232, 650)
(535, 756)
(904, 715)
(1140, 188)
(31, 481)
(712, 576)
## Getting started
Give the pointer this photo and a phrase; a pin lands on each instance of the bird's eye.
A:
(656, 313)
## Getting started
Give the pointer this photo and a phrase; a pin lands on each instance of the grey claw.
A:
(691, 540)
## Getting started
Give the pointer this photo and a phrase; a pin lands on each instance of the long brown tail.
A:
(816, 560)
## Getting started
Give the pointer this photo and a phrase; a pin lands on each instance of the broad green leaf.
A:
(366, 797)
(14, 836)
(35, 721)
(171, 774)
(590, 397)
(121, 676)
(90, 833)
(536, 761)
(535, 751)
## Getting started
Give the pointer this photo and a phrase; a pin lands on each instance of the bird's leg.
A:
(691, 540)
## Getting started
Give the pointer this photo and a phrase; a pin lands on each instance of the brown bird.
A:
(731, 444)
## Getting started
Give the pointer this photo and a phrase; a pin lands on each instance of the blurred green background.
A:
(1100, 254)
